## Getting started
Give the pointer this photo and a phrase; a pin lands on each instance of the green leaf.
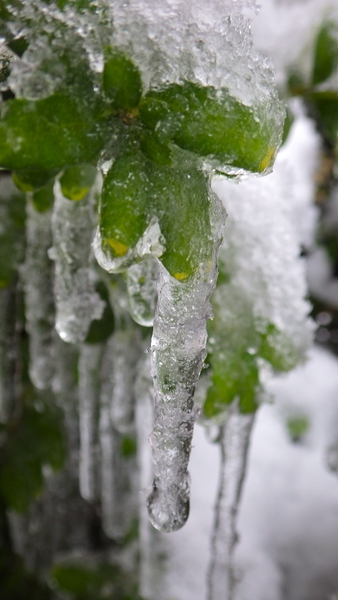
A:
(76, 181)
(326, 53)
(137, 191)
(43, 199)
(121, 80)
(211, 123)
(49, 134)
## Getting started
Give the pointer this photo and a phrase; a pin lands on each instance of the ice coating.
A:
(142, 291)
(37, 275)
(234, 443)
(77, 304)
(178, 349)
(89, 405)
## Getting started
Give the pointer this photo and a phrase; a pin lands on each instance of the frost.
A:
(235, 437)
(77, 304)
(178, 350)
(37, 275)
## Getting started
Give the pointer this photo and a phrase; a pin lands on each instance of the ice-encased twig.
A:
(118, 445)
(89, 402)
(39, 302)
(142, 291)
(77, 303)
(178, 351)
(234, 443)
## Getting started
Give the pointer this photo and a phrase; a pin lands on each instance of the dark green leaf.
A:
(137, 191)
(49, 134)
(211, 123)
(121, 80)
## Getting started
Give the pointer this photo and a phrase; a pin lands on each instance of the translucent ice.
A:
(37, 275)
(89, 403)
(77, 304)
(178, 351)
(235, 436)
(119, 478)
(142, 291)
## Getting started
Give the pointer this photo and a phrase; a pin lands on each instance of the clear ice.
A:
(178, 350)
(89, 406)
(234, 443)
(37, 275)
(77, 303)
(142, 291)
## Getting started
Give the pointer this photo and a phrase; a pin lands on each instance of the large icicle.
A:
(39, 302)
(234, 443)
(89, 399)
(178, 352)
(77, 304)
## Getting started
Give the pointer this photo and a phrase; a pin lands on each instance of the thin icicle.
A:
(3, 378)
(142, 291)
(234, 442)
(118, 457)
(38, 286)
(77, 304)
(89, 399)
(178, 353)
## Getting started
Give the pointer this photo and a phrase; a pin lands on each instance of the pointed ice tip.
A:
(167, 513)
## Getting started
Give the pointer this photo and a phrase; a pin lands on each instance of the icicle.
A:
(235, 436)
(89, 397)
(77, 304)
(3, 379)
(178, 352)
(118, 450)
(142, 291)
(39, 302)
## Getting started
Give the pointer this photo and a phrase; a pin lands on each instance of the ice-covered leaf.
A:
(121, 80)
(49, 134)
(30, 180)
(140, 197)
(76, 181)
(212, 124)
(43, 198)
